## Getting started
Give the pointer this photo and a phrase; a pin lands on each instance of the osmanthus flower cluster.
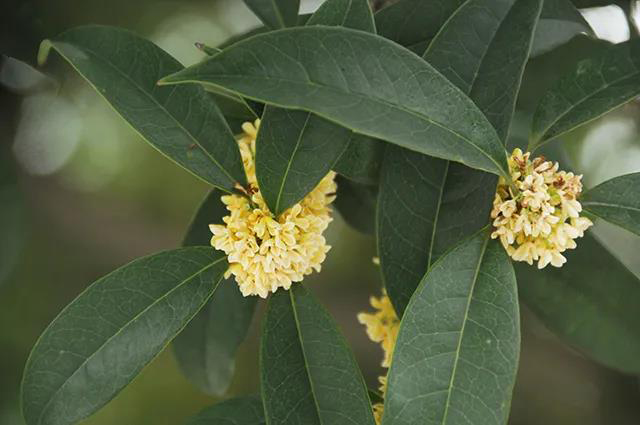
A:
(536, 216)
(266, 252)
(382, 327)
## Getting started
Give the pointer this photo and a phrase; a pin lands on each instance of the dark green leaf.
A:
(375, 396)
(361, 160)
(239, 37)
(594, 87)
(410, 188)
(427, 205)
(456, 357)
(275, 13)
(294, 151)
(206, 347)
(616, 201)
(356, 203)
(560, 21)
(104, 338)
(488, 28)
(355, 14)
(183, 123)
(302, 19)
(592, 302)
(413, 23)
(308, 373)
(235, 109)
(360, 81)
(236, 411)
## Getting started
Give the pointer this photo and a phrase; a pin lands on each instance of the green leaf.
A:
(104, 338)
(361, 160)
(308, 374)
(413, 23)
(360, 81)
(275, 13)
(410, 188)
(207, 346)
(488, 28)
(235, 109)
(594, 87)
(456, 357)
(242, 36)
(302, 20)
(355, 14)
(427, 205)
(183, 123)
(356, 203)
(294, 151)
(560, 21)
(616, 201)
(591, 302)
(236, 411)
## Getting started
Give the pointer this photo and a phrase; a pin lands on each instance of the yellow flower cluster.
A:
(536, 216)
(382, 327)
(266, 252)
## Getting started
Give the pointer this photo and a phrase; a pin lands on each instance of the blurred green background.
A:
(82, 195)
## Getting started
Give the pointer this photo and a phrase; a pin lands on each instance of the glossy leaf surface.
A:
(361, 160)
(296, 149)
(360, 81)
(456, 356)
(427, 205)
(183, 123)
(356, 203)
(275, 13)
(207, 346)
(616, 201)
(104, 338)
(591, 302)
(594, 87)
(308, 373)
(355, 14)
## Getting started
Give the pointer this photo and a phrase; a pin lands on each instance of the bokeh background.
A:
(81, 194)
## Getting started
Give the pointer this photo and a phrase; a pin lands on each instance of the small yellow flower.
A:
(382, 327)
(266, 252)
(537, 216)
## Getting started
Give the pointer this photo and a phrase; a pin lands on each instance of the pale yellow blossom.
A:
(382, 327)
(266, 252)
(536, 216)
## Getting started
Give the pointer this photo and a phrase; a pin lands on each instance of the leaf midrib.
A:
(464, 324)
(118, 332)
(146, 94)
(289, 163)
(304, 354)
(606, 204)
(363, 97)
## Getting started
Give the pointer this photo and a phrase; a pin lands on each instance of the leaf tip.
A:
(43, 51)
